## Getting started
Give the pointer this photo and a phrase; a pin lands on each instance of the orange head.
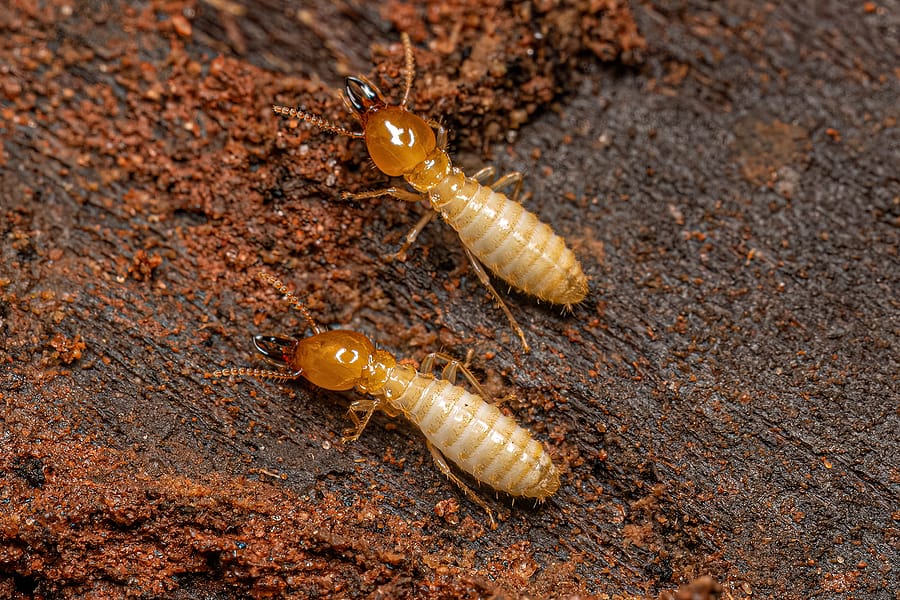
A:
(334, 360)
(397, 140)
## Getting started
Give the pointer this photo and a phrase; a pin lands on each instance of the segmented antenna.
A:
(289, 295)
(316, 121)
(410, 70)
(254, 373)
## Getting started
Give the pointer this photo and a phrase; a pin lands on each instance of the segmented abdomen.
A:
(478, 438)
(510, 241)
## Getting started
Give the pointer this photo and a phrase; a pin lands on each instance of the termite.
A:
(496, 231)
(459, 425)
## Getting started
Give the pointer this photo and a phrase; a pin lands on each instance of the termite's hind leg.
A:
(449, 371)
(432, 357)
(453, 365)
(485, 176)
(513, 178)
(449, 374)
(486, 281)
(444, 468)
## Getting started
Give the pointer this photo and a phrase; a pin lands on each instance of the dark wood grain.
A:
(724, 402)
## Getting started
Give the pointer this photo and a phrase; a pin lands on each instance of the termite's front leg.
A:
(406, 196)
(366, 408)
(396, 192)
(361, 411)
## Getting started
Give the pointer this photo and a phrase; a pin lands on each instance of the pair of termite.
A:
(495, 231)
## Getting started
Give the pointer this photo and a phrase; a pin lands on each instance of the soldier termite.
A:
(459, 425)
(495, 231)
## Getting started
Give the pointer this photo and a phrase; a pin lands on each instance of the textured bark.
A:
(723, 404)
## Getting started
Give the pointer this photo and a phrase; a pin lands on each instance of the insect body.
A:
(496, 231)
(458, 424)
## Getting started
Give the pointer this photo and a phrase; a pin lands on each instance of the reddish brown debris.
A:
(488, 67)
(717, 405)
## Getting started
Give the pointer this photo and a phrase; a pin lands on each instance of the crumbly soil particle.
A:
(723, 405)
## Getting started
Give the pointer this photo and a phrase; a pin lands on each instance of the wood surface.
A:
(723, 405)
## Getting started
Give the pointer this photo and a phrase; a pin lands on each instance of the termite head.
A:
(397, 140)
(334, 360)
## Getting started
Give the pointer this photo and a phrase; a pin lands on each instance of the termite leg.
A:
(388, 410)
(367, 408)
(444, 468)
(411, 236)
(485, 280)
(396, 192)
(449, 374)
(513, 178)
(408, 196)
(485, 175)
(440, 133)
(410, 70)
(450, 369)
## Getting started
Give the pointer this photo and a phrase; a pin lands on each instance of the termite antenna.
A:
(316, 121)
(252, 374)
(410, 70)
(294, 301)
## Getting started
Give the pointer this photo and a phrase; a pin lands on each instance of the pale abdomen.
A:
(478, 438)
(510, 241)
